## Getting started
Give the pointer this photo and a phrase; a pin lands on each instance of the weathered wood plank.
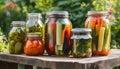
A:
(103, 62)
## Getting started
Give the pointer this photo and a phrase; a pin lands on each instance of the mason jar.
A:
(16, 37)
(34, 45)
(101, 32)
(82, 42)
(57, 33)
(34, 24)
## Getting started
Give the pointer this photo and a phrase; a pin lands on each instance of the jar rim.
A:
(97, 12)
(81, 37)
(18, 23)
(34, 15)
(33, 35)
(80, 30)
(57, 14)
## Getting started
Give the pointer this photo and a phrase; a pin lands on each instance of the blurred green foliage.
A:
(76, 8)
(77, 12)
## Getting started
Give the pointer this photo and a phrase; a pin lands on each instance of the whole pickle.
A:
(16, 40)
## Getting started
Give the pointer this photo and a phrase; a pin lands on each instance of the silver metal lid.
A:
(34, 15)
(80, 30)
(33, 35)
(81, 37)
(57, 14)
(97, 12)
(18, 23)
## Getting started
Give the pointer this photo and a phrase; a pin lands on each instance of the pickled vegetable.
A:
(34, 29)
(34, 45)
(16, 40)
(82, 42)
(34, 24)
(58, 33)
(101, 33)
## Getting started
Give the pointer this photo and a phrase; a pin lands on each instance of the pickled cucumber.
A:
(34, 28)
(18, 47)
(83, 48)
(16, 40)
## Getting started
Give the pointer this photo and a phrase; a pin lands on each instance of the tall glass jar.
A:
(34, 45)
(82, 42)
(57, 33)
(101, 32)
(34, 24)
(16, 37)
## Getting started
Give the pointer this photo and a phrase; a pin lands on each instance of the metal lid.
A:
(18, 23)
(57, 14)
(97, 12)
(80, 30)
(81, 37)
(33, 35)
(34, 15)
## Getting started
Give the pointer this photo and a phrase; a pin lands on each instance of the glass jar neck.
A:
(96, 15)
(81, 33)
(18, 26)
(34, 38)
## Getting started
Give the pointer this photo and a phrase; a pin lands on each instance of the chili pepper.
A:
(99, 24)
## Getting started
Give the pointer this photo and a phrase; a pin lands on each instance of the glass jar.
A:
(82, 42)
(101, 32)
(16, 37)
(34, 45)
(34, 24)
(57, 33)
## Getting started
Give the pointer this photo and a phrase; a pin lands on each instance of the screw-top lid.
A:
(97, 12)
(34, 16)
(80, 30)
(57, 14)
(18, 23)
(33, 35)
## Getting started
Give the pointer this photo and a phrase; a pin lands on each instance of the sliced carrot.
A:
(86, 24)
(102, 23)
(99, 24)
(93, 22)
(105, 52)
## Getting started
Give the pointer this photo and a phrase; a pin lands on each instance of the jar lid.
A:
(57, 14)
(33, 35)
(34, 15)
(80, 30)
(97, 12)
(18, 23)
(81, 37)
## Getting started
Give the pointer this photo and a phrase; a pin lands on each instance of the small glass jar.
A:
(16, 37)
(34, 24)
(101, 32)
(34, 45)
(82, 42)
(57, 33)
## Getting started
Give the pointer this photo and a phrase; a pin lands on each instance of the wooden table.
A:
(104, 62)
